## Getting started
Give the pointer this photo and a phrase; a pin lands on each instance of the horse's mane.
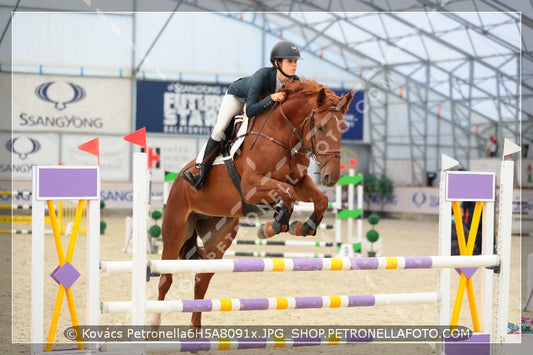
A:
(309, 89)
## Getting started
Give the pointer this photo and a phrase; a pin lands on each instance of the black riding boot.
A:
(197, 180)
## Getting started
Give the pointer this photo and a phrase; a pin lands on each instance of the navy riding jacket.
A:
(251, 88)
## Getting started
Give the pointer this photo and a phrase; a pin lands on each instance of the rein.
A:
(311, 151)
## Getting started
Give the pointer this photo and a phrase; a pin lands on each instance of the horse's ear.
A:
(344, 103)
(321, 98)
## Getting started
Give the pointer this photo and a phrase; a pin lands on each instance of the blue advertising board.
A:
(354, 116)
(186, 108)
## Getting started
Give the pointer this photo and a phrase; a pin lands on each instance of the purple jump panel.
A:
(468, 186)
(61, 182)
(476, 344)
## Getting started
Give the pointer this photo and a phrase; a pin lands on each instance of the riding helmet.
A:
(284, 50)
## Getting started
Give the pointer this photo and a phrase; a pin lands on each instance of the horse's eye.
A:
(321, 129)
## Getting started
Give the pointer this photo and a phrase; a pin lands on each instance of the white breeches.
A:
(229, 107)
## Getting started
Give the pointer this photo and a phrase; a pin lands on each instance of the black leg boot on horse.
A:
(210, 154)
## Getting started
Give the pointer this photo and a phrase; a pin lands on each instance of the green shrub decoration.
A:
(373, 219)
(157, 214)
(372, 235)
(155, 231)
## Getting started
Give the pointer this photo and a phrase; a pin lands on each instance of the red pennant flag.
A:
(343, 166)
(138, 137)
(92, 147)
(353, 162)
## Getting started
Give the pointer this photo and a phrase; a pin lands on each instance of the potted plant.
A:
(377, 190)
(372, 235)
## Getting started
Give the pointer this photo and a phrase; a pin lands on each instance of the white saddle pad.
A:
(236, 145)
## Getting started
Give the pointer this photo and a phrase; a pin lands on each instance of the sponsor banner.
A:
(114, 155)
(26, 150)
(71, 104)
(421, 200)
(119, 195)
(192, 108)
(178, 107)
(170, 154)
(354, 116)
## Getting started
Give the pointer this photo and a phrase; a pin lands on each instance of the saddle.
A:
(235, 134)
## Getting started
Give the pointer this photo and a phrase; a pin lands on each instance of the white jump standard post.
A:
(56, 183)
(353, 244)
(140, 211)
(480, 187)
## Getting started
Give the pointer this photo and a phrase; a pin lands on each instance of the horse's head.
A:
(326, 128)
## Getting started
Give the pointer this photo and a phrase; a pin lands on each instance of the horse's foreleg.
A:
(309, 227)
(279, 225)
(308, 192)
(257, 188)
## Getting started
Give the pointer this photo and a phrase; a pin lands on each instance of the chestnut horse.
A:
(273, 163)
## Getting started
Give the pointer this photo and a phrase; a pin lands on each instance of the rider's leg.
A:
(210, 154)
(229, 107)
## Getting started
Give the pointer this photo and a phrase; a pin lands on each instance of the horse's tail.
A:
(191, 249)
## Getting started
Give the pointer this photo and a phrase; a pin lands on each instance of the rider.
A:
(284, 57)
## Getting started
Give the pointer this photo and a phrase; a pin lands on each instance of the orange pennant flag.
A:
(138, 137)
(91, 147)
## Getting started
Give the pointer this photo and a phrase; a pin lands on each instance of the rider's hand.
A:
(278, 96)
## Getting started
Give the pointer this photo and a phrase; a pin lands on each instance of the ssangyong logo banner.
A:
(71, 104)
(186, 108)
(26, 150)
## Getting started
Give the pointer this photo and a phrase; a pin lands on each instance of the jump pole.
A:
(51, 183)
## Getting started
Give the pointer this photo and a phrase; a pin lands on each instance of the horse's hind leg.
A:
(217, 235)
(177, 231)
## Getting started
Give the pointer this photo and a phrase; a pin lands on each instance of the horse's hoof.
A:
(261, 232)
(294, 228)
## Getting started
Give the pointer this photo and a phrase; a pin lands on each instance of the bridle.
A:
(297, 149)
(312, 151)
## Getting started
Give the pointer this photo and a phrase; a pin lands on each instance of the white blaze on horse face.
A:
(331, 136)
(340, 124)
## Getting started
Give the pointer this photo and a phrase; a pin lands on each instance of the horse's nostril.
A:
(325, 179)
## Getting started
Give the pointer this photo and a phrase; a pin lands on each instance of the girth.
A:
(258, 209)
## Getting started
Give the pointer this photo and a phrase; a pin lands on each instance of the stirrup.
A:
(195, 180)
